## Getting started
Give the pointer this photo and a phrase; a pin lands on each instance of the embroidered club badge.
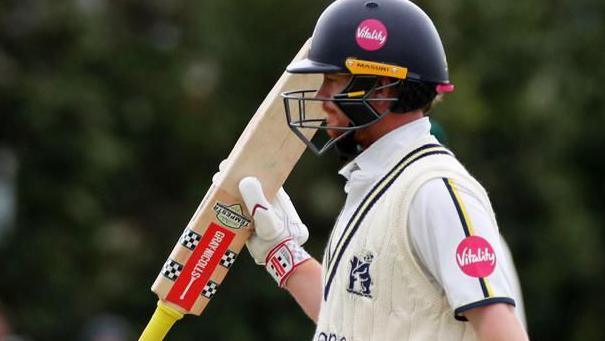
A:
(360, 280)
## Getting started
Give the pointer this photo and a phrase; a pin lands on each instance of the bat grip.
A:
(162, 320)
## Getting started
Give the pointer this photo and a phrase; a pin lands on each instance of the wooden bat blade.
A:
(221, 225)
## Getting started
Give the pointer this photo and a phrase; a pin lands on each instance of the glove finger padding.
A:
(296, 228)
(302, 234)
(267, 224)
(217, 175)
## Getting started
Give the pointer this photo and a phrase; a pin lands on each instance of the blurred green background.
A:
(115, 114)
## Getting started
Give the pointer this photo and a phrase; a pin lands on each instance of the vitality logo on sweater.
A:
(360, 280)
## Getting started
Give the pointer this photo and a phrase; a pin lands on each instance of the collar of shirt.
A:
(372, 161)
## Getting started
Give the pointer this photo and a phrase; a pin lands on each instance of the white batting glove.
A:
(279, 232)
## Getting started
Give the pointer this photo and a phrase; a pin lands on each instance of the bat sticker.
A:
(200, 266)
(231, 215)
(228, 259)
(209, 289)
(171, 269)
(190, 239)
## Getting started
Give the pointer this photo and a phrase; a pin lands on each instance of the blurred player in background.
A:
(415, 253)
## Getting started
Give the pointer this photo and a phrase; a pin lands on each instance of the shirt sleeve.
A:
(456, 243)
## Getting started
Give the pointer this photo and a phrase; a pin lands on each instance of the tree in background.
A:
(118, 113)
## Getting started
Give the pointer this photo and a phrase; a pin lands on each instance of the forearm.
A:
(496, 322)
(304, 284)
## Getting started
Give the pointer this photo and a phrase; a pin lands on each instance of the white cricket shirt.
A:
(437, 232)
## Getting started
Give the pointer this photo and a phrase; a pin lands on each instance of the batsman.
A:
(415, 253)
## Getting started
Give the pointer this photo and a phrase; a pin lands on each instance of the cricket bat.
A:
(218, 230)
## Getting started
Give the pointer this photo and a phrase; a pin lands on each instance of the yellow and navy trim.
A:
(469, 230)
(333, 259)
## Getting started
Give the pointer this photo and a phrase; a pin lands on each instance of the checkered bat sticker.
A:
(210, 289)
(172, 269)
(190, 239)
(228, 259)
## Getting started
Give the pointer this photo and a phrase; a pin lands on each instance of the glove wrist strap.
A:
(283, 259)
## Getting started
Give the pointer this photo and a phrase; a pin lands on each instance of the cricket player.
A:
(415, 253)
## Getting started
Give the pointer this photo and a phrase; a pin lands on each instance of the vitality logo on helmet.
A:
(371, 34)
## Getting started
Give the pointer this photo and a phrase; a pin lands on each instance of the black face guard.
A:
(355, 102)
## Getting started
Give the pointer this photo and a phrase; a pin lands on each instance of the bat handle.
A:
(162, 320)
